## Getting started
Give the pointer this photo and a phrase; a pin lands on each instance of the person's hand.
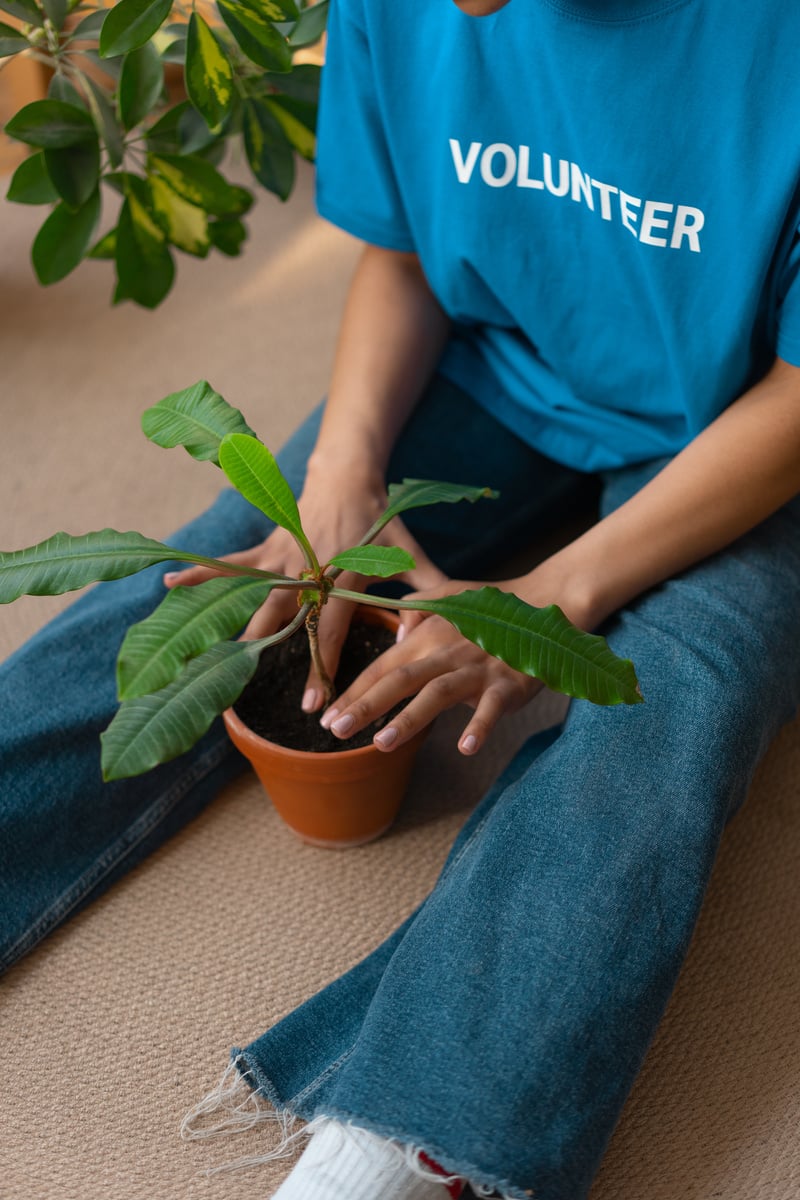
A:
(335, 514)
(439, 668)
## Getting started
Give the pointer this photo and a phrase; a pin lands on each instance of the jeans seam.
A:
(114, 854)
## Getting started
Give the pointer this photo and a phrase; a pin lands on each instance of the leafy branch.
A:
(181, 666)
(145, 97)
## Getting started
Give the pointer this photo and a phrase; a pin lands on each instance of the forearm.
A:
(392, 335)
(742, 468)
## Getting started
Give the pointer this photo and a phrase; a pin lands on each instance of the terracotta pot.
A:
(334, 799)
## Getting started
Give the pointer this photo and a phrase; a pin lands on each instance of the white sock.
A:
(343, 1162)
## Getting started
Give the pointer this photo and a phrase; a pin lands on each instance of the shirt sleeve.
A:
(356, 186)
(788, 306)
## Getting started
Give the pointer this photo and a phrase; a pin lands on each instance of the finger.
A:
(493, 704)
(430, 679)
(408, 622)
(277, 610)
(438, 694)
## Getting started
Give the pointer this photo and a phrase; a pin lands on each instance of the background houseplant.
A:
(187, 650)
(145, 97)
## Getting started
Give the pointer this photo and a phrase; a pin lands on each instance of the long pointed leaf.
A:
(380, 561)
(64, 563)
(417, 493)
(208, 73)
(186, 623)
(540, 642)
(156, 728)
(197, 418)
(252, 469)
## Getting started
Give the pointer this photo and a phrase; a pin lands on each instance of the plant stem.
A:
(375, 601)
(312, 628)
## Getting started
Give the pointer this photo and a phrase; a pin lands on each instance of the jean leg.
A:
(507, 1024)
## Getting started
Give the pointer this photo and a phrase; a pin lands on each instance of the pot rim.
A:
(246, 734)
(371, 614)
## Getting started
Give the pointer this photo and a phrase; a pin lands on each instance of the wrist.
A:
(576, 591)
(345, 467)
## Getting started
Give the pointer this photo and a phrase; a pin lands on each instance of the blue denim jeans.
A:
(501, 1026)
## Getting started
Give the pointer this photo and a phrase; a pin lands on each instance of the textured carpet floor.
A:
(115, 1026)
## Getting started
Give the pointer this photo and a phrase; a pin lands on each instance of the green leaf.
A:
(106, 122)
(268, 151)
(89, 27)
(256, 34)
(227, 236)
(175, 52)
(64, 563)
(60, 88)
(187, 622)
(301, 84)
(128, 184)
(106, 247)
(109, 66)
(156, 728)
(540, 642)
(51, 124)
(253, 471)
(57, 11)
(130, 24)
(209, 74)
(280, 10)
(144, 264)
(140, 84)
(380, 561)
(298, 120)
(30, 183)
(181, 130)
(201, 184)
(74, 171)
(26, 10)
(418, 493)
(185, 225)
(62, 241)
(11, 40)
(197, 418)
(310, 27)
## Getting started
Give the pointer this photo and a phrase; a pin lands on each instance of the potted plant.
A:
(185, 664)
(144, 99)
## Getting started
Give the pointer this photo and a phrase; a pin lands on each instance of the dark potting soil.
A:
(270, 704)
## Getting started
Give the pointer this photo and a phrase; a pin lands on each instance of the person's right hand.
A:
(335, 512)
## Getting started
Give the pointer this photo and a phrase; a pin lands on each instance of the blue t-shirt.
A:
(604, 196)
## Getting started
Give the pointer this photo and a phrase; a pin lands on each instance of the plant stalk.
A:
(312, 628)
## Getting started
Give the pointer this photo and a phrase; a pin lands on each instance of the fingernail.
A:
(387, 737)
(470, 744)
(170, 577)
(328, 717)
(309, 701)
(343, 725)
(401, 633)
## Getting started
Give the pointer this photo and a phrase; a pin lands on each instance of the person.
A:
(579, 277)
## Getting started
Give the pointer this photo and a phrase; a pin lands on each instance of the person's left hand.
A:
(439, 668)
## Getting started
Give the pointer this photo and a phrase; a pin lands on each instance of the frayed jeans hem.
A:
(245, 1097)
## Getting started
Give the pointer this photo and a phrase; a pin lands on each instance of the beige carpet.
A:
(111, 1030)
